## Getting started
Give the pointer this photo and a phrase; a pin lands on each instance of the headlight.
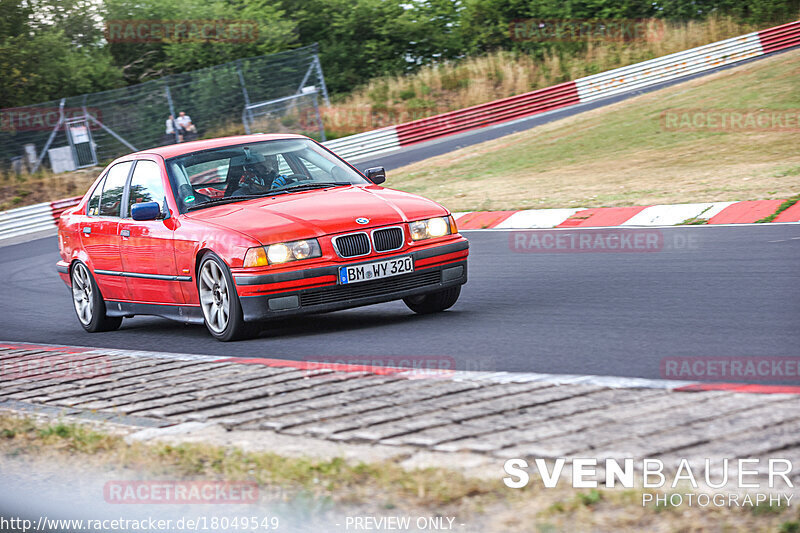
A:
(427, 229)
(282, 252)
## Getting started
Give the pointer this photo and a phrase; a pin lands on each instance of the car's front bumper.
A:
(435, 269)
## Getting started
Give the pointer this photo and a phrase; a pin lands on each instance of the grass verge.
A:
(44, 186)
(374, 488)
(622, 155)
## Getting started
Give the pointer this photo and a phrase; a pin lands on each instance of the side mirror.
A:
(376, 175)
(146, 211)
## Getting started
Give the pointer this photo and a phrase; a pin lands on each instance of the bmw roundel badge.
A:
(362, 220)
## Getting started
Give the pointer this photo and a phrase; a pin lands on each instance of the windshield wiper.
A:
(315, 185)
(229, 199)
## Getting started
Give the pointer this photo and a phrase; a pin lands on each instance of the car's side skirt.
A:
(164, 277)
(182, 313)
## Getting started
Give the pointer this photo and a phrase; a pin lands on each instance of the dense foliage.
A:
(55, 48)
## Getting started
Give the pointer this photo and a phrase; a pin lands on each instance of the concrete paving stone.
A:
(748, 433)
(541, 426)
(226, 384)
(727, 415)
(10, 367)
(266, 388)
(627, 430)
(408, 402)
(39, 381)
(160, 380)
(80, 395)
(436, 435)
(323, 426)
(332, 407)
(322, 388)
(522, 417)
(20, 354)
(139, 382)
(382, 432)
(67, 388)
(335, 392)
(449, 414)
(211, 384)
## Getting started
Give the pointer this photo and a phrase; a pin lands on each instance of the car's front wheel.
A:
(222, 309)
(89, 304)
(433, 302)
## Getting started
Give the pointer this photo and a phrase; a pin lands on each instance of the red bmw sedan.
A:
(232, 231)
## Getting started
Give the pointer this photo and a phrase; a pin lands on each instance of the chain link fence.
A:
(225, 99)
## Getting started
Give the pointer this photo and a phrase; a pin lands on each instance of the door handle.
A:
(87, 230)
(125, 233)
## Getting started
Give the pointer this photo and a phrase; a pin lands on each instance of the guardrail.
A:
(587, 89)
(370, 142)
(33, 218)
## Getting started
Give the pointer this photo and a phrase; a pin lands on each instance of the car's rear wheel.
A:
(89, 304)
(433, 302)
(222, 309)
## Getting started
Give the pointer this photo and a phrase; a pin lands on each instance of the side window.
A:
(316, 172)
(93, 208)
(146, 184)
(114, 186)
(283, 167)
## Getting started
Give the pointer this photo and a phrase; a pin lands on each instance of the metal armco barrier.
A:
(368, 143)
(590, 88)
(518, 106)
(33, 218)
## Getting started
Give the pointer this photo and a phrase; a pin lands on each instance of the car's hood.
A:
(318, 212)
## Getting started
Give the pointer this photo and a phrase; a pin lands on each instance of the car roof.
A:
(174, 150)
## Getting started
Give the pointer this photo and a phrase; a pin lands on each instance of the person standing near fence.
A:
(185, 126)
(169, 131)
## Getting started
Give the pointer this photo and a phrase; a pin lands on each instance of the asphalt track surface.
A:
(729, 291)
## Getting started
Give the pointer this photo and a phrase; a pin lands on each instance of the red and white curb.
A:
(614, 382)
(714, 213)
(42, 217)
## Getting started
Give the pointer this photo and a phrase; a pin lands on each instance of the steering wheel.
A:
(291, 178)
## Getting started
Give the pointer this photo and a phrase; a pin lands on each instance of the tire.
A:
(222, 310)
(433, 302)
(88, 301)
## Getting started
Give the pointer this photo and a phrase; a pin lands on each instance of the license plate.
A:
(377, 270)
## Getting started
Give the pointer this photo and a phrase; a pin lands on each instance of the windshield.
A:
(232, 173)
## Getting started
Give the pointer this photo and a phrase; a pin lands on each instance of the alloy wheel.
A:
(82, 295)
(214, 297)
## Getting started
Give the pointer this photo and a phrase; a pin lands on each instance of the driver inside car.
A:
(258, 175)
